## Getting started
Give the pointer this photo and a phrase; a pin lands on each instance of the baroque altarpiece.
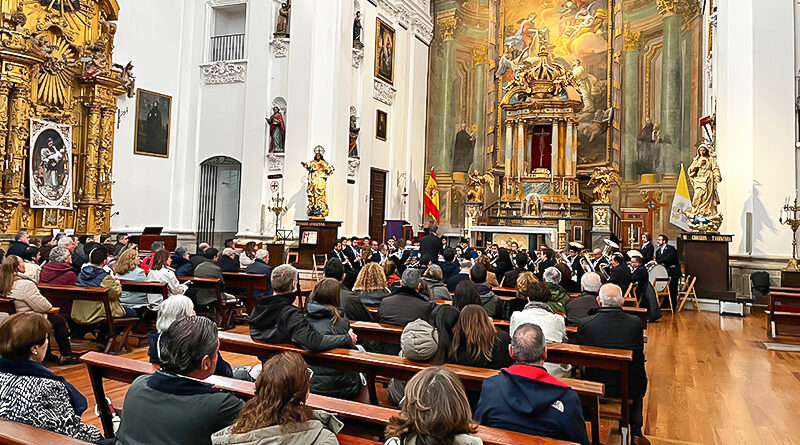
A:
(56, 66)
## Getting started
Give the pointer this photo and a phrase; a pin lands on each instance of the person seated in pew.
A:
(558, 296)
(259, 266)
(477, 342)
(572, 287)
(462, 275)
(127, 268)
(278, 413)
(90, 313)
(162, 273)
(29, 257)
(27, 298)
(449, 266)
(21, 242)
(489, 301)
(392, 279)
(228, 261)
(433, 278)
(584, 304)
(509, 279)
(538, 312)
(206, 297)
(200, 255)
(276, 319)
(178, 307)
(32, 394)
(611, 327)
(147, 262)
(491, 278)
(174, 405)
(405, 304)
(248, 255)
(525, 398)
(352, 305)
(524, 280)
(181, 264)
(59, 271)
(466, 293)
(371, 287)
(435, 410)
(324, 313)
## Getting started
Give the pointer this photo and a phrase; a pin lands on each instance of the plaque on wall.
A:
(50, 160)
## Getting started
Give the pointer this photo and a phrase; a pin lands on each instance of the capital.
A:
(447, 27)
(673, 7)
(480, 55)
(631, 39)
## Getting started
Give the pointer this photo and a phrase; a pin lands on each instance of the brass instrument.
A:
(586, 260)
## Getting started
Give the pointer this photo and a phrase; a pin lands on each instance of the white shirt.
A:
(553, 328)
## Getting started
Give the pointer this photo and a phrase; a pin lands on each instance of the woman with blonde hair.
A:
(127, 268)
(524, 281)
(370, 285)
(434, 411)
(278, 413)
(476, 342)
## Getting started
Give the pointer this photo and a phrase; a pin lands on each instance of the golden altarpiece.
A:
(56, 65)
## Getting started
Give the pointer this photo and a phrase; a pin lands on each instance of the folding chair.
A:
(629, 299)
(688, 291)
(292, 257)
(665, 293)
(319, 261)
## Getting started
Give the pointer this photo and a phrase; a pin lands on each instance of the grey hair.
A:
(21, 234)
(59, 254)
(283, 277)
(186, 343)
(63, 242)
(552, 275)
(435, 272)
(261, 254)
(591, 282)
(611, 295)
(528, 343)
(411, 278)
(156, 246)
(434, 229)
(181, 251)
(174, 308)
(465, 264)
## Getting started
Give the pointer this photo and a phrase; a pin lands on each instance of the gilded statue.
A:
(317, 190)
(602, 179)
(475, 183)
(704, 176)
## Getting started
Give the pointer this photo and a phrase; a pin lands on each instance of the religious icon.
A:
(152, 124)
(381, 124)
(352, 150)
(277, 131)
(384, 52)
(357, 31)
(317, 190)
(51, 165)
(704, 175)
(282, 26)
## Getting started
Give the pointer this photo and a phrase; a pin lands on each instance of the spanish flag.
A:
(432, 197)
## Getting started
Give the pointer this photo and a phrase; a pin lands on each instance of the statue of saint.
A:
(463, 150)
(602, 179)
(282, 27)
(357, 31)
(704, 176)
(317, 190)
(277, 131)
(475, 183)
(352, 150)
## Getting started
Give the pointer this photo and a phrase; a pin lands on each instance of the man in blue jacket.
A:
(525, 398)
(260, 267)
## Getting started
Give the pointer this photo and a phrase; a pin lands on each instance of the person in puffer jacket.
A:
(325, 316)
(181, 263)
(489, 301)
(433, 278)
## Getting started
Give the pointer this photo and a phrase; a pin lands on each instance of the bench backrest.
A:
(15, 433)
(7, 306)
(148, 287)
(78, 293)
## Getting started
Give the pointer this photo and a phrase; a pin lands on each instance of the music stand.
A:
(283, 235)
(152, 230)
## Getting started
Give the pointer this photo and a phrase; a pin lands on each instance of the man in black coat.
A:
(351, 250)
(611, 327)
(598, 260)
(339, 254)
(548, 256)
(259, 266)
(405, 304)
(200, 255)
(640, 278)
(509, 279)
(21, 242)
(575, 260)
(619, 273)
(586, 303)
(431, 244)
(667, 256)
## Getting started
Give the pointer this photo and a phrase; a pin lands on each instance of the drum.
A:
(656, 270)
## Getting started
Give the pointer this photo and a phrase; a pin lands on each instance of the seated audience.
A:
(510, 278)
(435, 410)
(127, 268)
(208, 269)
(583, 305)
(278, 413)
(558, 296)
(21, 242)
(181, 264)
(476, 342)
(405, 304)
(524, 280)
(30, 259)
(371, 287)
(23, 291)
(121, 242)
(566, 282)
(276, 319)
(538, 312)
(433, 278)
(525, 398)
(324, 313)
(32, 394)
(462, 275)
(44, 255)
(449, 267)
(59, 271)
(489, 301)
(161, 272)
(466, 293)
(200, 255)
(228, 261)
(611, 327)
(486, 262)
(353, 308)
(392, 279)
(173, 405)
(259, 266)
(147, 262)
(248, 255)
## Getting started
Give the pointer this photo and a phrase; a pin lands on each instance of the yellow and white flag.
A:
(681, 204)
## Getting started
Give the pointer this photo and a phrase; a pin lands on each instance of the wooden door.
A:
(377, 203)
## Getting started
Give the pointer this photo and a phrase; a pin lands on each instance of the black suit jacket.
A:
(338, 255)
(577, 268)
(543, 266)
(349, 253)
(641, 278)
(669, 259)
(431, 244)
(621, 276)
(647, 252)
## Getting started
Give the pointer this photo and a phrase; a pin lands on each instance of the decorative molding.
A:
(274, 162)
(279, 47)
(709, 69)
(358, 56)
(352, 166)
(410, 14)
(383, 92)
(480, 55)
(423, 29)
(447, 27)
(224, 72)
(279, 102)
(631, 38)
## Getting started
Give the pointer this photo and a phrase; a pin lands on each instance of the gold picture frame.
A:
(151, 138)
(384, 51)
(381, 125)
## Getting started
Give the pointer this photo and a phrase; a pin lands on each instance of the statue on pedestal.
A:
(357, 31)
(704, 176)
(317, 190)
(277, 131)
(282, 27)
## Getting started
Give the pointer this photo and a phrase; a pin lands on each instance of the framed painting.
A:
(381, 125)
(153, 112)
(384, 52)
(50, 165)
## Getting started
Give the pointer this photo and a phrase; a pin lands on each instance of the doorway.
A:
(220, 188)
(377, 203)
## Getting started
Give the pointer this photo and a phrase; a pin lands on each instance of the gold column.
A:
(5, 88)
(18, 130)
(104, 154)
(562, 138)
(92, 152)
(506, 150)
(521, 148)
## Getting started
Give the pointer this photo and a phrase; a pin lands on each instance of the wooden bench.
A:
(16, 433)
(226, 306)
(7, 306)
(99, 295)
(783, 312)
(147, 287)
(373, 418)
(247, 281)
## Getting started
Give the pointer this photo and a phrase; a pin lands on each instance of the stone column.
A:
(671, 93)
(480, 57)
(444, 131)
(520, 148)
(91, 154)
(19, 112)
(569, 167)
(630, 97)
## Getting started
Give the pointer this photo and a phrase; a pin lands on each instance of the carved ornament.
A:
(631, 39)
(480, 55)
(274, 162)
(358, 56)
(279, 47)
(352, 166)
(224, 72)
(383, 92)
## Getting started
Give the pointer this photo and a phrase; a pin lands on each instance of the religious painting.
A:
(381, 125)
(152, 124)
(50, 161)
(384, 52)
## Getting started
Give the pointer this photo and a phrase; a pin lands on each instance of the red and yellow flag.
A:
(432, 197)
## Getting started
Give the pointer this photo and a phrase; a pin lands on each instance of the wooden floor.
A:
(711, 382)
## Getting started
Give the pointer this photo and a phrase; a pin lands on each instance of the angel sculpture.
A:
(126, 77)
(475, 183)
(602, 179)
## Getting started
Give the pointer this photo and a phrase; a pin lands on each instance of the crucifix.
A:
(651, 202)
(541, 135)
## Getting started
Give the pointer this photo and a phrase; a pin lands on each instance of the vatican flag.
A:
(432, 197)
(681, 204)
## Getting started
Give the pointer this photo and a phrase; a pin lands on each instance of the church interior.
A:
(399, 221)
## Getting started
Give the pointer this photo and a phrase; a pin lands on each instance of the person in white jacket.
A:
(161, 272)
(538, 312)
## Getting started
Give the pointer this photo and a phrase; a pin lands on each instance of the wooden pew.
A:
(373, 365)
(148, 287)
(102, 366)
(7, 306)
(225, 306)
(100, 295)
(247, 281)
(15, 433)
(783, 312)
